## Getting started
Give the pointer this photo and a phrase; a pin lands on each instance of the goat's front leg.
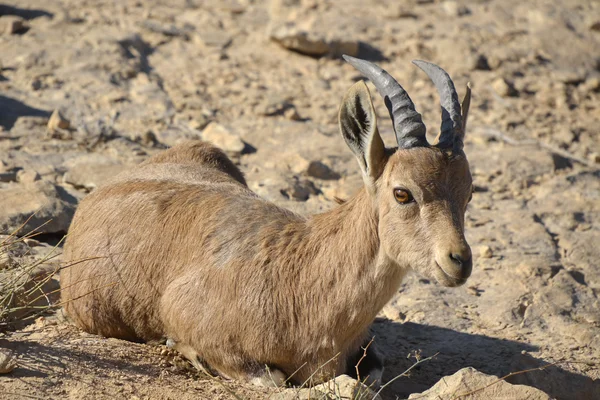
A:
(366, 364)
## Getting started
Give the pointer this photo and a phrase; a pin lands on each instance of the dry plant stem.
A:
(28, 396)
(495, 133)
(405, 372)
(318, 369)
(295, 372)
(362, 358)
(227, 389)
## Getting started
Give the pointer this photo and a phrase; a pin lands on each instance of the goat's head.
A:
(420, 191)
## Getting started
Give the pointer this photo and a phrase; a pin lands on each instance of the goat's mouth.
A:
(446, 279)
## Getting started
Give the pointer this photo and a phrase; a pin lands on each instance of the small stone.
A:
(468, 378)
(504, 87)
(57, 121)
(292, 114)
(38, 205)
(570, 77)
(148, 138)
(341, 387)
(485, 252)
(28, 175)
(6, 261)
(453, 9)
(317, 169)
(222, 137)
(300, 190)
(595, 26)
(594, 157)
(12, 24)
(8, 176)
(8, 361)
(31, 242)
(592, 84)
(296, 163)
(481, 63)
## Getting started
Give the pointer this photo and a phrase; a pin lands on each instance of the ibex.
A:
(180, 249)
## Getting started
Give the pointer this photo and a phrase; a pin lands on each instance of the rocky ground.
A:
(89, 87)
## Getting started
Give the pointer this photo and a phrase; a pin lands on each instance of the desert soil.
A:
(264, 80)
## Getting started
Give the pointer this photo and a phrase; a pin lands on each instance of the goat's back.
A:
(125, 235)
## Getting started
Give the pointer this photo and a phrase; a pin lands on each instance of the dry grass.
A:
(27, 289)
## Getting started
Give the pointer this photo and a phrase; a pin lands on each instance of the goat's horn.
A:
(451, 129)
(408, 125)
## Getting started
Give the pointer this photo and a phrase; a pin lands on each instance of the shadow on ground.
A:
(459, 350)
(24, 12)
(13, 109)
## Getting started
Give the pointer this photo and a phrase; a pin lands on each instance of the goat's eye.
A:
(403, 196)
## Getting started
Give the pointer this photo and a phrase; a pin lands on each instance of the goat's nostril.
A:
(464, 262)
(457, 259)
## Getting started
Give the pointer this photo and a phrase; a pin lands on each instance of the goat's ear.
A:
(464, 108)
(358, 125)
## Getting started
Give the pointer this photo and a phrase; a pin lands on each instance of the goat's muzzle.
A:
(455, 266)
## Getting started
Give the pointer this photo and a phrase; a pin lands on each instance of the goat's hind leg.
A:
(251, 372)
(192, 355)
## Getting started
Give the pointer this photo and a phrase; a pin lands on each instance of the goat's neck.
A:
(350, 272)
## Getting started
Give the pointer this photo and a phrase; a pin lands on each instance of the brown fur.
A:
(186, 251)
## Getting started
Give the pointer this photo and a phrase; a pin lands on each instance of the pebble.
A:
(504, 87)
(28, 175)
(13, 24)
(6, 261)
(222, 137)
(8, 361)
(453, 9)
(485, 252)
(317, 169)
(57, 121)
(8, 176)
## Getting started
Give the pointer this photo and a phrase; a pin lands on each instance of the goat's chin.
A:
(446, 280)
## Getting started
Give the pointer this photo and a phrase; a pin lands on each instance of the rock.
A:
(292, 114)
(27, 176)
(317, 169)
(35, 204)
(485, 252)
(504, 87)
(6, 261)
(290, 36)
(89, 174)
(296, 163)
(297, 27)
(342, 387)
(8, 176)
(300, 190)
(57, 121)
(592, 84)
(481, 63)
(453, 9)
(594, 26)
(8, 361)
(468, 380)
(10, 25)
(222, 137)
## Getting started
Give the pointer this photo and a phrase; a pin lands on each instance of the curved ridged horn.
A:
(408, 125)
(451, 131)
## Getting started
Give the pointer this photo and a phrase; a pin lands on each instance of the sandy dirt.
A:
(131, 78)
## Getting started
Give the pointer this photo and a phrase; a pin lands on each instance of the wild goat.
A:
(179, 248)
